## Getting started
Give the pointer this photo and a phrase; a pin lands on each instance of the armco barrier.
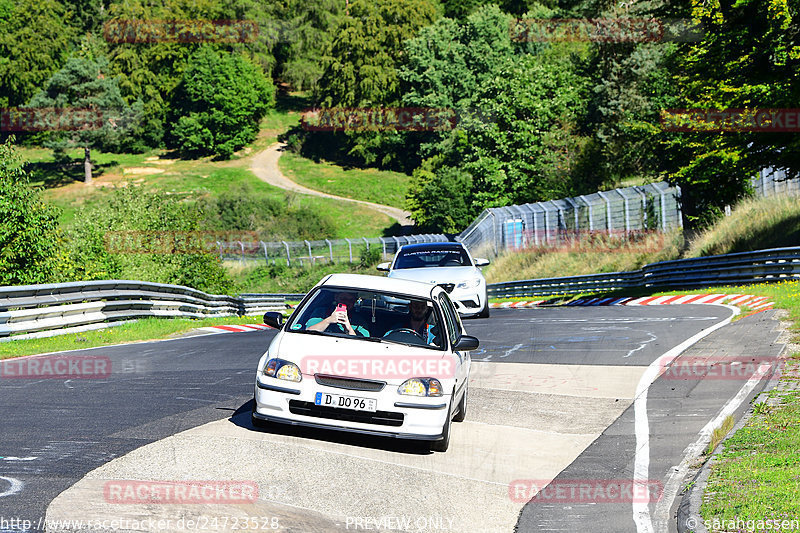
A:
(43, 310)
(779, 264)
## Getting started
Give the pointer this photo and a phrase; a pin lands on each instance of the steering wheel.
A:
(405, 331)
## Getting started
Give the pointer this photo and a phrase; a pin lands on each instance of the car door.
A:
(454, 331)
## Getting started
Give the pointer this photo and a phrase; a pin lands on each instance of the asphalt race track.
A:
(551, 403)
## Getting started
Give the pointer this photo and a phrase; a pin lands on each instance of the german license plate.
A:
(346, 402)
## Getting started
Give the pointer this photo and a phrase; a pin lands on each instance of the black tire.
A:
(462, 407)
(444, 443)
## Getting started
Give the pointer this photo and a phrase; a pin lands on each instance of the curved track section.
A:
(551, 398)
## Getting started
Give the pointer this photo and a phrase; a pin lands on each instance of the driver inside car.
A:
(418, 321)
(339, 321)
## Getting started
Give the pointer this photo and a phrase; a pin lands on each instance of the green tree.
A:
(218, 106)
(151, 68)
(521, 147)
(749, 58)
(361, 68)
(29, 236)
(304, 33)
(35, 40)
(84, 84)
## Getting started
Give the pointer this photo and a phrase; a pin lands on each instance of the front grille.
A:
(350, 383)
(380, 418)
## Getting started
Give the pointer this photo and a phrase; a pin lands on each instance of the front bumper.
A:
(469, 302)
(405, 417)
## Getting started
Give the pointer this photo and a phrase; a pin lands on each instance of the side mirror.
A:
(273, 319)
(383, 267)
(481, 262)
(466, 343)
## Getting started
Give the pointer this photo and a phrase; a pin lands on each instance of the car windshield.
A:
(370, 316)
(432, 257)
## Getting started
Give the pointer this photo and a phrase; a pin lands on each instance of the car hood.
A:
(341, 356)
(436, 274)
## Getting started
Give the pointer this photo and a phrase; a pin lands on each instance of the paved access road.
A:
(551, 397)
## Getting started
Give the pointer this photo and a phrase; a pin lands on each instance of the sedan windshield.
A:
(432, 257)
(370, 315)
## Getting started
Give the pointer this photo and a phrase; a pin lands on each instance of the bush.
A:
(217, 108)
(147, 214)
(29, 236)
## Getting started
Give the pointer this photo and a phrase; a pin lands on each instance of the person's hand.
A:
(340, 317)
(344, 320)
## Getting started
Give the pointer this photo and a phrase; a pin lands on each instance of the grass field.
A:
(372, 185)
(755, 477)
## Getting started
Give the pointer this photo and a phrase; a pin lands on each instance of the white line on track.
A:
(15, 486)
(641, 469)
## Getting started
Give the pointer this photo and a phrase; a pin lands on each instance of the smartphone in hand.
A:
(342, 308)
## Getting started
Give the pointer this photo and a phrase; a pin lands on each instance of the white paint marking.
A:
(694, 450)
(645, 343)
(511, 350)
(641, 469)
(15, 486)
(19, 458)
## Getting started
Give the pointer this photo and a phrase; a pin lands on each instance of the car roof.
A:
(432, 245)
(379, 283)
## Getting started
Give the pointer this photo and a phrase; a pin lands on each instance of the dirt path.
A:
(265, 167)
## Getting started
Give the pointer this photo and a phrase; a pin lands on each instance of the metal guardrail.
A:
(778, 264)
(43, 310)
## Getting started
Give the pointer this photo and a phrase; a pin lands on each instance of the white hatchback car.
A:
(448, 264)
(371, 355)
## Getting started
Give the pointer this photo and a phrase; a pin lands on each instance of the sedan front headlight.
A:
(282, 369)
(471, 284)
(421, 387)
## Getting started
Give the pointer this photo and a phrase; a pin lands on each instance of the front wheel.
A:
(444, 443)
(461, 414)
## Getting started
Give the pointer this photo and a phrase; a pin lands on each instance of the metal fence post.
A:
(350, 247)
(608, 210)
(330, 249)
(266, 257)
(241, 257)
(310, 257)
(367, 243)
(589, 205)
(288, 260)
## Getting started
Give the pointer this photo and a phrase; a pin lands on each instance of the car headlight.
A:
(281, 369)
(420, 387)
(471, 284)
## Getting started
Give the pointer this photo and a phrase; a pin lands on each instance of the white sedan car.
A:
(448, 264)
(370, 355)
